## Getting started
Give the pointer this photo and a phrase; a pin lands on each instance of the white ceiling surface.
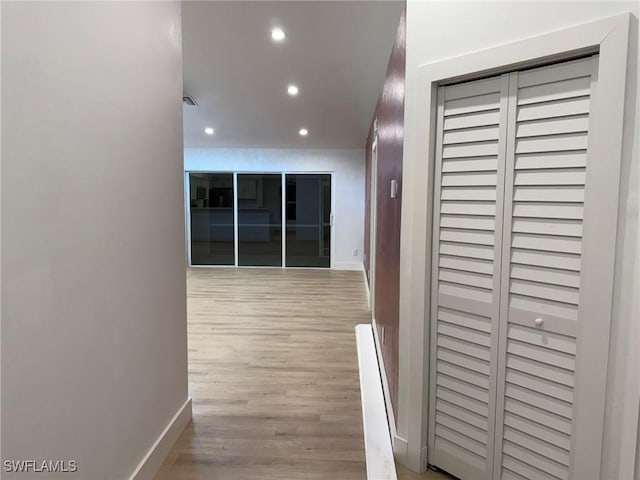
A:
(335, 52)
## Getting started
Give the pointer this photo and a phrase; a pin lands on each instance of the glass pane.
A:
(211, 204)
(260, 220)
(308, 228)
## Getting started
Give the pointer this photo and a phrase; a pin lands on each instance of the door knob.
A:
(538, 322)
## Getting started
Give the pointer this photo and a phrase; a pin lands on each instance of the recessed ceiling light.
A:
(209, 131)
(277, 34)
(303, 132)
(292, 90)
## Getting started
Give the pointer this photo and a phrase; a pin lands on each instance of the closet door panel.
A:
(467, 258)
(518, 314)
(544, 212)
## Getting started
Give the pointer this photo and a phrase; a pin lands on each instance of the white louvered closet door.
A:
(511, 216)
(470, 162)
(543, 270)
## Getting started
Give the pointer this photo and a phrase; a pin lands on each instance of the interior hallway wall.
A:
(94, 354)
(390, 117)
(347, 166)
(439, 30)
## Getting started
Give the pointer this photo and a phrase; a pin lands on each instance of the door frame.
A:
(609, 38)
(235, 173)
(373, 225)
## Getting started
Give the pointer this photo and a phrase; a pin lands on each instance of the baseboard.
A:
(424, 459)
(400, 445)
(357, 266)
(385, 383)
(158, 452)
(401, 449)
(377, 441)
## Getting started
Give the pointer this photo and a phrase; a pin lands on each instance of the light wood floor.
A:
(405, 474)
(274, 377)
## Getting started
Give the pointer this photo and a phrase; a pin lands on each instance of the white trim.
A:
(346, 266)
(608, 36)
(373, 221)
(158, 452)
(385, 383)
(377, 442)
(398, 443)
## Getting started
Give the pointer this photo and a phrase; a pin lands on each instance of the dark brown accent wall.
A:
(390, 116)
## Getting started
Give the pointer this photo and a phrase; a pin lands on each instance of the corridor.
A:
(274, 376)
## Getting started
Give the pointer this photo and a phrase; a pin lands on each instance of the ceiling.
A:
(336, 52)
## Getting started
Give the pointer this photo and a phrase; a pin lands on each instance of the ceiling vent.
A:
(189, 101)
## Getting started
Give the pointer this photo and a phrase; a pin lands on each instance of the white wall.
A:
(346, 165)
(93, 279)
(440, 30)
